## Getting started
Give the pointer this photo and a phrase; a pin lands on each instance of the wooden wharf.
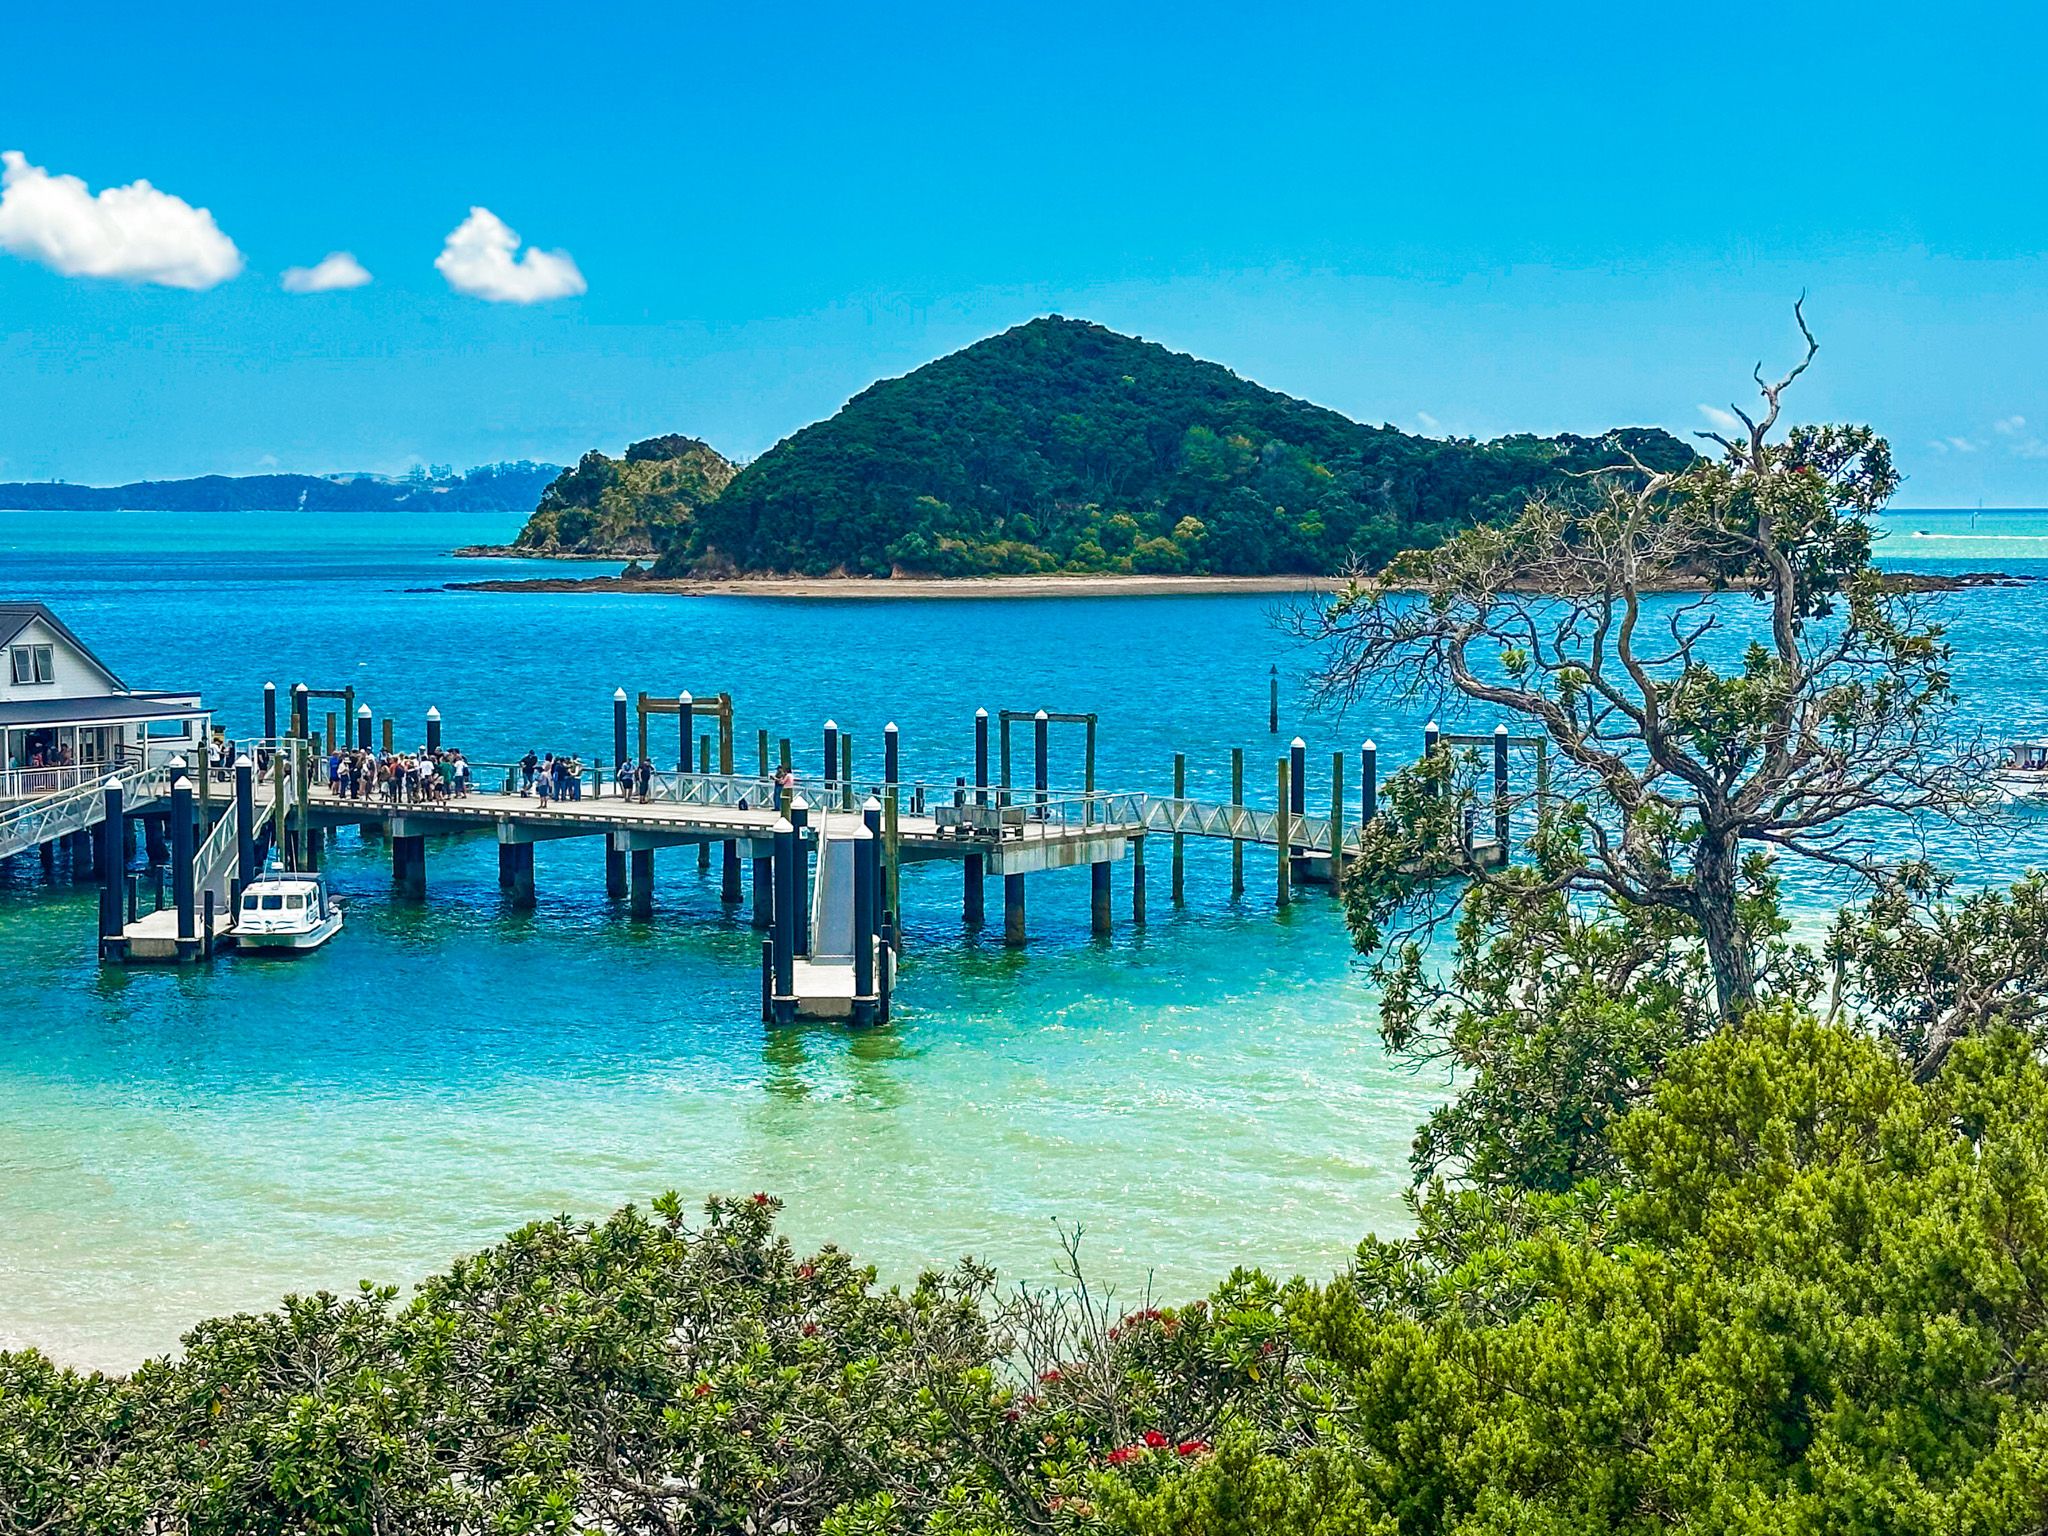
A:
(816, 860)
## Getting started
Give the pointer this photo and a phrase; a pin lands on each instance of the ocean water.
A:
(1203, 1092)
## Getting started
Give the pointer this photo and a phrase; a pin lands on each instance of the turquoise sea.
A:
(1204, 1092)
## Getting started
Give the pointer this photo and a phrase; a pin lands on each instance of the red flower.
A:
(1191, 1448)
(810, 1329)
(1048, 1375)
(1013, 1414)
(703, 1389)
(1124, 1453)
(760, 1199)
(1154, 1439)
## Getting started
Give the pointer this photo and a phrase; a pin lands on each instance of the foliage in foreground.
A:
(1809, 1296)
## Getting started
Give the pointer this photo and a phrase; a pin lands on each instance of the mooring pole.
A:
(245, 821)
(1041, 751)
(972, 900)
(729, 850)
(620, 744)
(1500, 790)
(1273, 700)
(270, 712)
(830, 771)
(864, 1000)
(113, 873)
(784, 1000)
(300, 730)
(1283, 832)
(1368, 784)
(362, 727)
(1237, 808)
(640, 885)
(799, 820)
(1432, 739)
(433, 729)
(389, 731)
(686, 730)
(1297, 779)
(182, 894)
(892, 762)
(1180, 792)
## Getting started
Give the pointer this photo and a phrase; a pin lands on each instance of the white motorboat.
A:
(2024, 773)
(285, 909)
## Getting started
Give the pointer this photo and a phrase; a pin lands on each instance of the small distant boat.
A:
(2024, 773)
(286, 909)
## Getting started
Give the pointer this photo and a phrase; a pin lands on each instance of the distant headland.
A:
(506, 487)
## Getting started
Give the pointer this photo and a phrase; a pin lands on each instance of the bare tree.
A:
(1694, 732)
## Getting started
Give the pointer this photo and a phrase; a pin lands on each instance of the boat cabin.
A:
(66, 718)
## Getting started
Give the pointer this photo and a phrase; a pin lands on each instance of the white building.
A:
(65, 717)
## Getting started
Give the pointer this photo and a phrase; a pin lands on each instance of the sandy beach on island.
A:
(908, 587)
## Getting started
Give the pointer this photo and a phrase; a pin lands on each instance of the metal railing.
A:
(51, 816)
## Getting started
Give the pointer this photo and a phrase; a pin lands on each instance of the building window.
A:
(35, 664)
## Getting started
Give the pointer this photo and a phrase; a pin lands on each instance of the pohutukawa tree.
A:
(1697, 735)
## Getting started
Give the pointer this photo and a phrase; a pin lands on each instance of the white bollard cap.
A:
(243, 761)
(889, 729)
(686, 697)
(1298, 742)
(861, 833)
(433, 713)
(799, 803)
(1041, 715)
(363, 712)
(981, 714)
(176, 765)
(782, 825)
(1500, 730)
(114, 783)
(871, 804)
(619, 694)
(831, 725)
(1371, 745)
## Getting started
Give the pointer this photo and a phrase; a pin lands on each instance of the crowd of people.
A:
(399, 778)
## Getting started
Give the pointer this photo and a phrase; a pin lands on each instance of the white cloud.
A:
(1429, 424)
(478, 260)
(134, 232)
(1727, 423)
(1962, 445)
(337, 269)
(2010, 426)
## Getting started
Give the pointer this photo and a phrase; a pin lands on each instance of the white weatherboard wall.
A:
(78, 676)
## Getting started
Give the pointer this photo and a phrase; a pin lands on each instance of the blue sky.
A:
(1471, 219)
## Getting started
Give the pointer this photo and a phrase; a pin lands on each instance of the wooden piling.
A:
(1098, 897)
(1138, 881)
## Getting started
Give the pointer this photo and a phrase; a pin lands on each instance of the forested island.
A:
(505, 487)
(1062, 447)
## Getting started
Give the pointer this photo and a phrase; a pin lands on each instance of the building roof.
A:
(17, 616)
(100, 711)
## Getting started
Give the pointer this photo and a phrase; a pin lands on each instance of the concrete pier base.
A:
(1098, 899)
(1013, 909)
(614, 872)
(640, 882)
(973, 898)
(408, 865)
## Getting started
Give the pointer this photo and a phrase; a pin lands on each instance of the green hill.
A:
(629, 506)
(1062, 446)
